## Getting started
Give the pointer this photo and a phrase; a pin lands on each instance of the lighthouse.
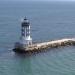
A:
(25, 39)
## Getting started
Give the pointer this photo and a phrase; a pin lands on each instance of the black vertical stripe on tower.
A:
(23, 34)
(23, 31)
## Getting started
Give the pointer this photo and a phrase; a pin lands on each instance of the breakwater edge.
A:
(42, 46)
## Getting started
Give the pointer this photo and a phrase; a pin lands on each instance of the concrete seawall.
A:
(41, 46)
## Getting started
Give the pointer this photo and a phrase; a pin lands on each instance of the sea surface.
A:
(49, 21)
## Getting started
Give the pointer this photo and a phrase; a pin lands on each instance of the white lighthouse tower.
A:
(25, 39)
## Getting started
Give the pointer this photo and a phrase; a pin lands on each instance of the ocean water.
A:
(49, 21)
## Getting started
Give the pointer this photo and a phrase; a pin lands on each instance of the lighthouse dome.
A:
(25, 22)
